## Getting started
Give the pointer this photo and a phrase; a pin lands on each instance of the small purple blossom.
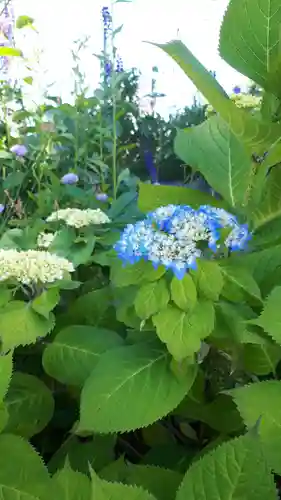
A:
(2, 208)
(19, 150)
(108, 69)
(237, 90)
(70, 178)
(119, 65)
(103, 197)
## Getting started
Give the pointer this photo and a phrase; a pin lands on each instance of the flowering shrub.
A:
(79, 218)
(140, 346)
(170, 236)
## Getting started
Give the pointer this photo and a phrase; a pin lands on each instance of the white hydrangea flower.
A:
(79, 218)
(44, 240)
(33, 266)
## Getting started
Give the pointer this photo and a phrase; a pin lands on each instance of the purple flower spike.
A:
(19, 150)
(70, 178)
(102, 197)
(237, 90)
(2, 208)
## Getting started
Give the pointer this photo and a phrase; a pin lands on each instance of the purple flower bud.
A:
(2, 208)
(119, 65)
(19, 150)
(237, 90)
(102, 197)
(69, 178)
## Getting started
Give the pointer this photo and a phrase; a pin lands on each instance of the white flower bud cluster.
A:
(33, 266)
(79, 218)
(44, 240)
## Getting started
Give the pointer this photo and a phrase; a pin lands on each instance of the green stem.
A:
(114, 130)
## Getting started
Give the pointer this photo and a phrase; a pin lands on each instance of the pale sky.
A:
(196, 23)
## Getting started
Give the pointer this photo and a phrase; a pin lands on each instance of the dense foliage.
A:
(140, 323)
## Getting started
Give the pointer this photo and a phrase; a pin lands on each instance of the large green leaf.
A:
(253, 132)
(103, 490)
(30, 405)
(93, 308)
(260, 359)
(208, 279)
(134, 274)
(20, 325)
(183, 331)
(240, 278)
(152, 197)
(151, 298)
(254, 48)
(261, 402)
(234, 470)
(163, 483)
(6, 368)
(23, 474)
(184, 293)
(216, 152)
(72, 484)
(75, 351)
(269, 208)
(270, 318)
(140, 373)
(97, 451)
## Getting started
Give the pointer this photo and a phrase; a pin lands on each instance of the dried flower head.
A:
(33, 266)
(79, 218)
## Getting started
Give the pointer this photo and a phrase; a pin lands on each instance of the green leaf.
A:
(235, 323)
(223, 160)
(103, 490)
(4, 416)
(163, 483)
(139, 372)
(6, 368)
(182, 331)
(259, 136)
(242, 279)
(253, 52)
(14, 179)
(80, 253)
(23, 474)
(236, 469)
(75, 351)
(261, 359)
(261, 402)
(73, 485)
(23, 21)
(151, 298)
(10, 51)
(270, 318)
(97, 451)
(184, 293)
(20, 325)
(134, 274)
(30, 405)
(46, 302)
(152, 197)
(208, 279)
(92, 308)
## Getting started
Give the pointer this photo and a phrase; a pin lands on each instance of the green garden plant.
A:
(140, 350)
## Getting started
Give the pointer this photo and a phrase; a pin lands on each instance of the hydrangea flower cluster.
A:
(171, 236)
(33, 266)
(44, 240)
(79, 218)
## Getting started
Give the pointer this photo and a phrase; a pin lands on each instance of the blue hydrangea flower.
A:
(103, 197)
(171, 236)
(19, 150)
(237, 90)
(69, 178)
(2, 208)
